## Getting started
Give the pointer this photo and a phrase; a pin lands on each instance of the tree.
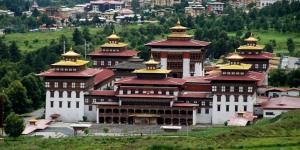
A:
(290, 44)
(33, 90)
(239, 33)
(4, 54)
(135, 4)
(86, 34)
(269, 48)
(7, 106)
(135, 18)
(190, 22)
(77, 37)
(14, 125)
(17, 93)
(35, 12)
(278, 77)
(15, 53)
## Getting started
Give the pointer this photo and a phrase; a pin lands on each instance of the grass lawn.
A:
(280, 39)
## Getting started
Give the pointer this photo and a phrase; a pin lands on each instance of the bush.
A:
(105, 130)
(84, 118)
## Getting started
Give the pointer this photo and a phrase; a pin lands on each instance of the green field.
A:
(44, 38)
(270, 134)
(280, 39)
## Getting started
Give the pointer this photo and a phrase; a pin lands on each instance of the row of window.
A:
(60, 104)
(202, 103)
(65, 84)
(252, 44)
(264, 66)
(110, 50)
(233, 73)
(102, 63)
(70, 59)
(236, 98)
(95, 100)
(66, 69)
(206, 111)
(236, 108)
(141, 91)
(69, 93)
(231, 88)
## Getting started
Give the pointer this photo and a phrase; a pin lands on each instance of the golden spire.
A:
(251, 38)
(235, 56)
(178, 22)
(151, 61)
(113, 36)
(70, 53)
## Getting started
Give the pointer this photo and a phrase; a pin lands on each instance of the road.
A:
(34, 114)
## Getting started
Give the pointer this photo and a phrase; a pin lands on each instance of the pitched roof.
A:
(87, 72)
(176, 43)
(282, 89)
(282, 103)
(196, 79)
(249, 76)
(128, 65)
(184, 105)
(103, 75)
(124, 53)
(102, 93)
(189, 94)
(147, 96)
(165, 81)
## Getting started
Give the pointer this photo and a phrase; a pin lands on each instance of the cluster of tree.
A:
(281, 77)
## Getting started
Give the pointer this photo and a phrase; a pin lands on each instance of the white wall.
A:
(91, 115)
(276, 113)
(202, 118)
(186, 67)
(71, 114)
(293, 93)
(219, 117)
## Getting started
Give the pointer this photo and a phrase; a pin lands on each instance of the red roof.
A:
(176, 43)
(188, 94)
(106, 2)
(146, 96)
(107, 103)
(124, 53)
(282, 103)
(197, 79)
(166, 81)
(210, 68)
(241, 120)
(282, 89)
(249, 76)
(185, 105)
(103, 75)
(261, 100)
(102, 93)
(262, 55)
(87, 72)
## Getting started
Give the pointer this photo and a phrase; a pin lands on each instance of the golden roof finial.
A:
(178, 21)
(113, 36)
(71, 49)
(113, 31)
(151, 61)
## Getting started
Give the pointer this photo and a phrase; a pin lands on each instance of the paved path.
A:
(34, 114)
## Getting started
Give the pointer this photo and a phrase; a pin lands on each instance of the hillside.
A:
(283, 132)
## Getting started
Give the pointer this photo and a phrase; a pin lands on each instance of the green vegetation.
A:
(282, 131)
(14, 125)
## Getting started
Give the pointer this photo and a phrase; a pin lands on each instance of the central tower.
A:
(180, 53)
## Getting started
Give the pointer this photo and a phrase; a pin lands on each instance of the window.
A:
(69, 104)
(240, 89)
(69, 94)
(102, 63)
(227, 98)
(207, 111)
(109, 63)
(90, 108)
(81, 85)
(250, 89)
(223, 88)
(231, 88)
(227, 108)
(264, 66)
(77, 94)
(65, 84)
(116, 62)
(77, 104)
(206, 103)
(51, 104)
(60, 104)
(214, 88)
(199, 111)
(245, 99)
(47, 84)
(95, 63)
(219, 98)
(203, 103)
(73, 84)
(236, 98)
(60, 93)
(256, 66)
(51, 93)
(270, 113)
(218, 107)
(245, 107)
(56, 84)
(236, 108)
